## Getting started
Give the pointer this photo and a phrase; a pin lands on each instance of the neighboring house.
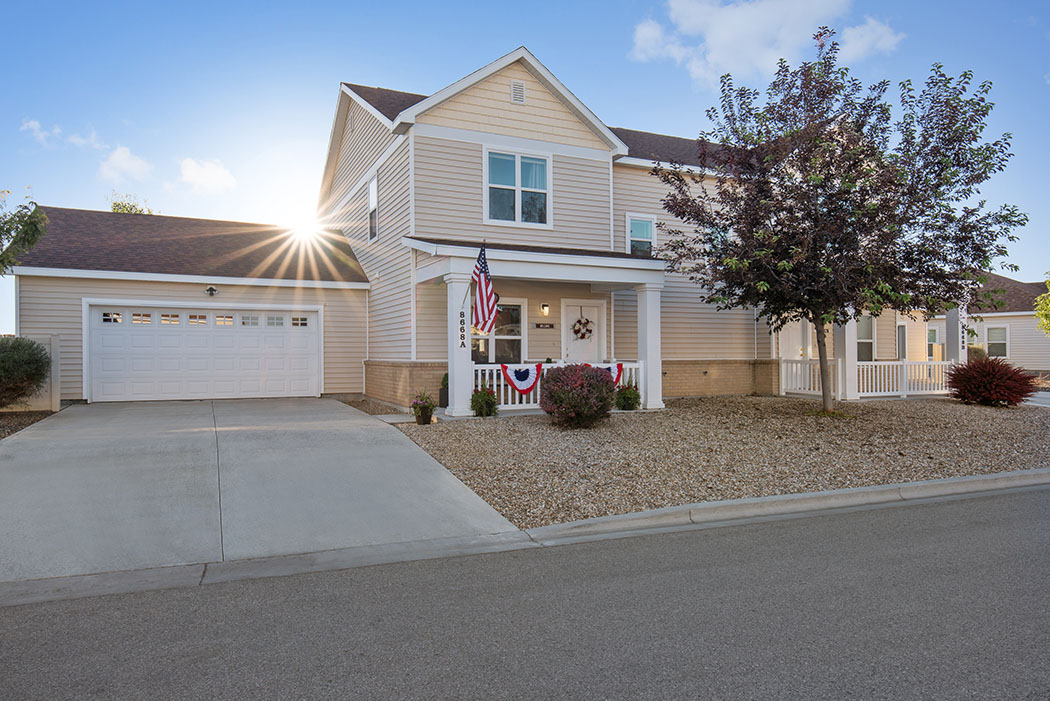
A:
(567, 206)
(1011, 331)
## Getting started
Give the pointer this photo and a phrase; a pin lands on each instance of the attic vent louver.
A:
(517, 92)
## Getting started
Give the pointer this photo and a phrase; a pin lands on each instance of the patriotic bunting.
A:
(618, 368)
(523, 377)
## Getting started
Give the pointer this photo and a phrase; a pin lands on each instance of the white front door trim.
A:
(88, 302)
(602, 330)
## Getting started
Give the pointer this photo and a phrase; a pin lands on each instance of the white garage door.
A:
(142, 352)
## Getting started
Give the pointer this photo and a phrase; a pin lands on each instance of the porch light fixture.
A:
(545, 309)
(211, 290)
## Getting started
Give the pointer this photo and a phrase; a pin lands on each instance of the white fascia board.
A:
(408, 117)
(371, 173)
(985, 315)
(510, 143)
(335, 141)
(649, 165)
(552, 266)
(163, 277)
(367, 106)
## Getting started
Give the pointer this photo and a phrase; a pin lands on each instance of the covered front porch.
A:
(556, 307)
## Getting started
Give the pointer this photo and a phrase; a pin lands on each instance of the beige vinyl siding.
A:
(636, 191)
(385, 261)
(363, 142)
(486, 107)
(431, 319)
(1028, 346)
(916, 336)
(52, 305)
(690, 329)
(886, 336)
(449, 194)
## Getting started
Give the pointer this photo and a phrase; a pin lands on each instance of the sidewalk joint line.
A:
(218, 482)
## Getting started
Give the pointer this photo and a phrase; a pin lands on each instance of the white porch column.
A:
(649, 345)
(460, 365)
(845, 336)
(955, 335)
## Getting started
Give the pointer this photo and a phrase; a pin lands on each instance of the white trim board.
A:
(202, 279)
(85, 326)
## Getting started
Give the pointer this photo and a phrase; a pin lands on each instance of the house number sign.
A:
(462, 329)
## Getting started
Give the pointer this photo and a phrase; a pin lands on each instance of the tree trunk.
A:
(825, 370)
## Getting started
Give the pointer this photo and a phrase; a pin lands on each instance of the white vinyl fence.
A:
(881, 378)
(803, 377)
(507, 397)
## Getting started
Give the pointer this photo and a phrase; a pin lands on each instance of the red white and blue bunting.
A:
(522, 377)
(614, 371)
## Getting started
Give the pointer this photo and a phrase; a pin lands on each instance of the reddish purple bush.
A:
(990, 381)
(577, 396)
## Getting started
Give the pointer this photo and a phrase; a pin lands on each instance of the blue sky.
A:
(223, 110)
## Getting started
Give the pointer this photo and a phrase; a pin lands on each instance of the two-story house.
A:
(152, 307)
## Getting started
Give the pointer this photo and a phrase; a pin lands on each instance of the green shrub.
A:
(628, 398)
(577, 396)
(990, 381)
(976, 353)
(24, 368)
(444, 381)
(483, 402)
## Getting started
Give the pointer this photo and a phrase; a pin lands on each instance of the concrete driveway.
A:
(108, 487)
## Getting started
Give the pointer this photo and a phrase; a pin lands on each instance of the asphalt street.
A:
(948, 599)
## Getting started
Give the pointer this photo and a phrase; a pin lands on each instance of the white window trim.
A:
(896, 340)
(936, 340)
(628, 216)
(566, 327)
(372, 183)
(874, 340)
(524, 302)
(486, 148)
(86, 303)
(988, 343)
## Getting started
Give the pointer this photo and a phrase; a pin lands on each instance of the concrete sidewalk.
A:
(112, 487)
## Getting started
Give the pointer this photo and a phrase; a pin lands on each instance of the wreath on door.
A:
(582, 329)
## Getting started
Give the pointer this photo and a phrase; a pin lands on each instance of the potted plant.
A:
(483, 401)
(628, 398)
(443, 392)
(423, 408)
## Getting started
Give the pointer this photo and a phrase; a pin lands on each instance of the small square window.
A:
(111, 317)
(141, 318)
(224, 320)
(169, 319)
(298, 321)
(198, 319)
(249, 319)
(275, 321)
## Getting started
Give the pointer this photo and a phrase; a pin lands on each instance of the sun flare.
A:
(306, 231)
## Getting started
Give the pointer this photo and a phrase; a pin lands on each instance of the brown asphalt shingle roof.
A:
(1018, 296)
(640, 144)
(151, 243)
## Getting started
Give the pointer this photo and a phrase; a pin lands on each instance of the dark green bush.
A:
(24, 368)
(577, 396)
(483, 402)
(628, 398)
(975, 353)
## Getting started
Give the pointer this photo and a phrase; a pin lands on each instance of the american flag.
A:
(483, 317)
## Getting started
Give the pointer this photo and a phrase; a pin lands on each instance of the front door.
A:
(584, 325)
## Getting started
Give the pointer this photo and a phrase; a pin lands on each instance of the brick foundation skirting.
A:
(398, 381)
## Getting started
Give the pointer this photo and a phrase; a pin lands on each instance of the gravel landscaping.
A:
(16, 421)
(717, 448)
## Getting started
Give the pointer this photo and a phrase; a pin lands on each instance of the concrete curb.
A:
(678, 517)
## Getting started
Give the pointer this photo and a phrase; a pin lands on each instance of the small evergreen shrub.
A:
(24, 368)
(990, 381)
(577, 396)
(975, 353)
(628, 398)
(483, 402)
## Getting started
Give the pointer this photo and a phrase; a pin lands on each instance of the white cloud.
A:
(91, 140)
(206, 176)
(748, 37)
(40, 134)
(866, 39)
(122, 164)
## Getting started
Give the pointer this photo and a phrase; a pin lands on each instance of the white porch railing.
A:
(899, 378)
(803, 377)
(880, 378)
(509, 398)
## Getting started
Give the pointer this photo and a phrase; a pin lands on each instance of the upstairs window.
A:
(373, 210)
(641, 235)
(518, 189)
